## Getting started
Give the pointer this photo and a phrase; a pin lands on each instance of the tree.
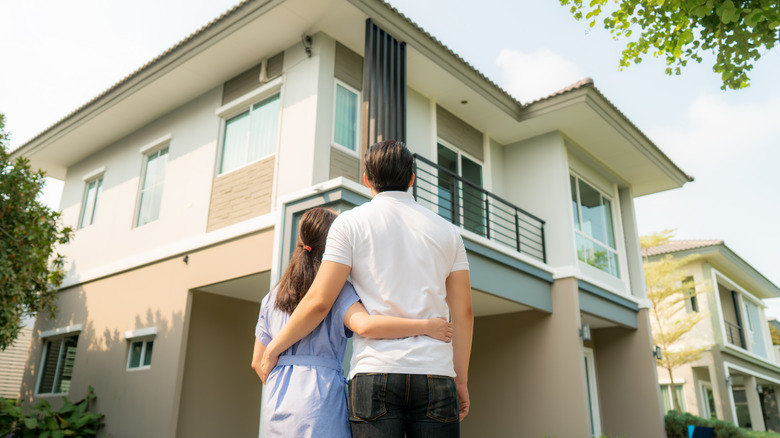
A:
(775, 332)
(30, 268)
(737, 32)
(668, 291)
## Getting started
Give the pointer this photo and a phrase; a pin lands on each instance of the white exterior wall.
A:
(420, 128)
(307, 89)
(536, 178)
(186, 192)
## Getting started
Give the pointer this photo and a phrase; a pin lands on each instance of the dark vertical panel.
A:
(384, 87)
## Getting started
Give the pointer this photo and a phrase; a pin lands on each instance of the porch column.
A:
(754, 404)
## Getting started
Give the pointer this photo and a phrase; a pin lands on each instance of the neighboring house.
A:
(12, 362)
(738, 377)
(186, 180)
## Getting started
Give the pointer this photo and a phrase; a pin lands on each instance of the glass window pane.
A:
(678, 391)
(346, 118)
(574, 204)
(88, 204)
(593, 212)
(666, 398)
(148, 353)
(263, 129)
(135, 355)
(48, 373)
(234, 146)
(610, 229)
(473, 199)
(448, 204)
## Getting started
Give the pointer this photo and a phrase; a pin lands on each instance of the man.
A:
(406, 261)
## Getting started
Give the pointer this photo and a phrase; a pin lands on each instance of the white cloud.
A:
(529, 76)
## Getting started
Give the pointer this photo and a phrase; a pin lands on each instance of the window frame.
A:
(703, 387)
(240, 105)
(359, 95)
(148, 151)
(593, 396)
(144, 335)
(683, 404)
(459, 172)
(47, 338)
(613, 216)
(96, 176)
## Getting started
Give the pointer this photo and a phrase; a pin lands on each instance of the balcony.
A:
(473, 208)
(734, 334)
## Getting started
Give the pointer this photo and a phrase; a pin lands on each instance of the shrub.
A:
(72, 419)
(677, 426)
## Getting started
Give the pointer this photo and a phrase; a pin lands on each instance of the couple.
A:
(408, 272)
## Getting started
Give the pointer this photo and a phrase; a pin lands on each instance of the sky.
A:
(55, 56)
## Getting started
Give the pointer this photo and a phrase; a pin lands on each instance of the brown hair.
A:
(306, 258)
(389, 165)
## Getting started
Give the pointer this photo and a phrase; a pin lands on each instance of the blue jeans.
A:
(398, 405)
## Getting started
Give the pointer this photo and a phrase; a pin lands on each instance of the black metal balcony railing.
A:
(470, 206)
(734, 334)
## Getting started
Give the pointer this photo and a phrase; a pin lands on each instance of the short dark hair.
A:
(389, 166)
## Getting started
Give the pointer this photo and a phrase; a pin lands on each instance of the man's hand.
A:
(267, 364)
(463, 399)
(439, 328)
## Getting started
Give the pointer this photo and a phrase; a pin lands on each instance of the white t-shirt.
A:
(401, 254)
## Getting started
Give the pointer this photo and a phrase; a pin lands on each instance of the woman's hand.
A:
(439, 328)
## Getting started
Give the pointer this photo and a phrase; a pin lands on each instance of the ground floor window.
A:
(140, 355)
(666, 397)
(593, 398)
(708, 401)
(59, 356)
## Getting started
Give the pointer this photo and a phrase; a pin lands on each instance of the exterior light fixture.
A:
(728, 381)
(585, 331)
(759, 388)
(658, 353)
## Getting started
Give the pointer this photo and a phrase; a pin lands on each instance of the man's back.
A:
(401, 254)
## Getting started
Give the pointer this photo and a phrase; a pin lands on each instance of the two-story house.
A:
(737, 378)
(186, 179)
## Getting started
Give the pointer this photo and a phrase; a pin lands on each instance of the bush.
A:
(677, 426)
(72, 419)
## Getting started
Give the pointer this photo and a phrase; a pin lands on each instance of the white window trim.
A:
(156, 145)
(717, 277)
(62, 331)
(615, 212)
(594, 390)
(239, 104)
(140, 333)
(333, 141)
(145, 342)
(46, 336)
(95, 174)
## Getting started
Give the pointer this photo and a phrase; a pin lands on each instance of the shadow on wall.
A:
(101, 361)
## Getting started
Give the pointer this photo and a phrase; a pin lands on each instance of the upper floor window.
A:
(689, 289)
(152, 186)
(251, 135)
(345, 118)
(461, 203)
(59, 357)
(593, 225)
(92, 189)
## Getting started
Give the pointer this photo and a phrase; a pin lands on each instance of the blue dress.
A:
(305, 394)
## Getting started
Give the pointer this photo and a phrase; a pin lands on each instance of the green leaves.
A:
(30, 268)
(41, 421)
(680, 30)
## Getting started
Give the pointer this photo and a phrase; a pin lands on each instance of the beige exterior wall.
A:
(344, 164)
(527, 375)
(155, 295)
(241, 194)
(629, 396)
(220, 393)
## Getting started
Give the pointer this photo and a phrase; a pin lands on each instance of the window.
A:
(461, 199)
(59, 356)
(755, 332)
(140, 354)
(92, 192)
(708, 399)
(594, 230)
(251, 135)
(690, 292)
(151, 189)
(345, 118)
(666, 397)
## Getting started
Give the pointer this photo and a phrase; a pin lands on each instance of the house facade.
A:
(737, 379)
(185, 182)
